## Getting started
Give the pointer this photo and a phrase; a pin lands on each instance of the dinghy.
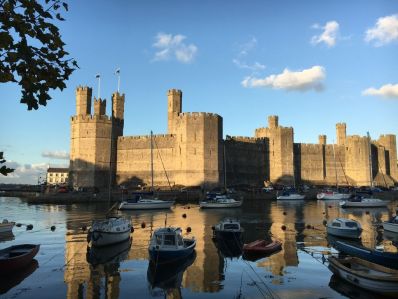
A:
(16, 257)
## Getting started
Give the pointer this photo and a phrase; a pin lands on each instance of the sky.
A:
(312, 63)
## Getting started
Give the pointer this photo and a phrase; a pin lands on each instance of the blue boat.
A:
(167, 245)
(387, 259)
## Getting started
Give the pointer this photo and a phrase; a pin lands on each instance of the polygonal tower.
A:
(93, 142)
(341, 133)
(174, 108)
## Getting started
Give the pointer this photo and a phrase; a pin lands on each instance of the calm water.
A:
(298, 271)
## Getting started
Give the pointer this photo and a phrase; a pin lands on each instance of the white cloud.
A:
(173, 46)
(384, 32)
(256, 66)
(289, 80)
(329, 34)
(389, 91)
(240, 60)
(55, 155)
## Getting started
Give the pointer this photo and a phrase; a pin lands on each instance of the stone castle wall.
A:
(192, 153)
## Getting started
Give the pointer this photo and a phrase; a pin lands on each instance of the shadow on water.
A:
(10, 280)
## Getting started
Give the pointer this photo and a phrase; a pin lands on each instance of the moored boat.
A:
(366, 275)
(387, 259)
(6, 226)
(260, 248)
(109, 231)
(332, 195)
(344, 228)
(167, 245)
(290, 195)
(220, 201)
(108, 254)
(361, 202)
(228, 229)
(16, 257)
(391, 225)
(145, 204)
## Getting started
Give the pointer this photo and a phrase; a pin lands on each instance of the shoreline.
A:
(179, 197)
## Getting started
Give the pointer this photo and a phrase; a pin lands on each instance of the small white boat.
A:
(332, 195)
(6, 226)
(344, 228)
(167, 245)
(391, 225)
(228, 229)
(360, 202)
(220, 201)
(287, 195)
(145, 204)
(366, 275)
(109, 231)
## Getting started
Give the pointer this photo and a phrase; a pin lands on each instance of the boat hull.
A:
(344, 233)
(363, 204)
(380, 283)
(291, 197)
(101, 238)
(6, 227)
(392, 227)
(11, 261)
(162, 255)
(228, 235)
(387, 259)
(218, 205)
(332, 196)
(145, 206)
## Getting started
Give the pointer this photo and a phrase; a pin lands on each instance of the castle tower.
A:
(174, 108)
(322, 139)
(92, 149)
(341, 133)
(83, 100)
(99, 107)
(390, 144)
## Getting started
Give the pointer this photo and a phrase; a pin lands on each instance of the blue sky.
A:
(310, 62)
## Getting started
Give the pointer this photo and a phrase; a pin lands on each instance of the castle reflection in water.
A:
(304, 227)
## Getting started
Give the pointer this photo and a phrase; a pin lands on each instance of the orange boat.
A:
(262, 247)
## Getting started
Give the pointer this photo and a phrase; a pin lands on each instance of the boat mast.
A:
(225, 168)
(370, 161)
(335, 167)
(110, 159)
(151, 163)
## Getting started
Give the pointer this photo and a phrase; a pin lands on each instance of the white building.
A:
(57, 176)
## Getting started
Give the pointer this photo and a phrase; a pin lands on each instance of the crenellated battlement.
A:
(195, 115)
(174, 91)
(245, 139)
(83, 88)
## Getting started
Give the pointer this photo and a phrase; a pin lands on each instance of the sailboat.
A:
(139, 202)
(112, 229)
(221, 200)
(330, 194)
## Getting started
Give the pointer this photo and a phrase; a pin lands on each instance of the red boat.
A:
(16, 257)
(262, 247)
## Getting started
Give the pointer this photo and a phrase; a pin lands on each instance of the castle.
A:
(193, 152)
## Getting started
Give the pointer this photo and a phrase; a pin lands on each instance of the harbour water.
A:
(66, 269)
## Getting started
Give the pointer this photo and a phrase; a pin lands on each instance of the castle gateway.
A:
(193, 152)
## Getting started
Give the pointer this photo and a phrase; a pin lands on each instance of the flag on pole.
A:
(97, 76)
(117, 72)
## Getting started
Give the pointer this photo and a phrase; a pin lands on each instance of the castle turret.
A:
(273, 121)
(341, 133)
(83, 100)
(99, 107)
(118, 106)
(174, 99)
(322, 139)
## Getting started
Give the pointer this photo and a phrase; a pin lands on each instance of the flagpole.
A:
(98, 76)
(117, 73)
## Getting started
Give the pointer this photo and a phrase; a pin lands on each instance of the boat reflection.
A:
(346, 289)
(6, 236)
(333, 239)
(229, 248)
(112, 254)
(168, 277)
(10, 280)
